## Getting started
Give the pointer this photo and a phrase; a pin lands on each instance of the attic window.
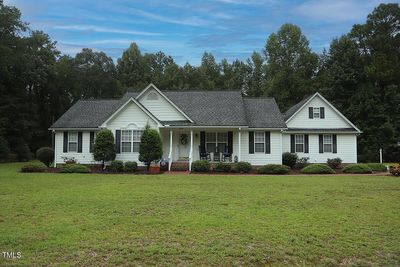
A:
(152, 96)
(316, 113)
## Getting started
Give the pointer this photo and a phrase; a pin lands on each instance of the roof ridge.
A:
(200, 91)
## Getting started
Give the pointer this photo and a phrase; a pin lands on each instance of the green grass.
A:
(93, 219)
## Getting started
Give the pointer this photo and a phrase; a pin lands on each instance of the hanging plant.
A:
(184, 139)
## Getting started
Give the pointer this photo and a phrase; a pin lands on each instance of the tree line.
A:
(359, 74)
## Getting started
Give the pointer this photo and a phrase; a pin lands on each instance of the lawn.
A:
(94, 219)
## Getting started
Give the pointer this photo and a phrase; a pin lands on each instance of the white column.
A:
(170, 150)
(55, 149)
(240, 145)
(191, 150)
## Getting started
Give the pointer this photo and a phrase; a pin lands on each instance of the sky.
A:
(185, 29)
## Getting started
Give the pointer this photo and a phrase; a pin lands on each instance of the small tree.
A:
(104, 146)
(45, 155)
(150, 146)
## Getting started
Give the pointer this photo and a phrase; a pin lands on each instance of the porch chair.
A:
(204, 155)
(226, 154)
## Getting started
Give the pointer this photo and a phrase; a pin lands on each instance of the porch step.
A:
(180, 166)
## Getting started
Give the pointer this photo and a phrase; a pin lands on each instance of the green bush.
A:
(200, 166)
(150, 146)
(334, 163)
(289, 159)
(377, 167)
(243, 167)
(116, 166)
(273, 169)
(34, 167)
(74, 168)
(302, 162)
(23, 152)
(45, 155)
(4, 149)
(223, 167)
(131, 166)
(318, 169)
(357, 168)
(104, 146)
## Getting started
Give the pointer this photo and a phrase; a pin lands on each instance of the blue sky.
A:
(185, 29)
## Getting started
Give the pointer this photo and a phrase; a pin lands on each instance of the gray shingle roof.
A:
(295, 108)
(263, 113)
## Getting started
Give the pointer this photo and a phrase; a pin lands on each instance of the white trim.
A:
(104, 124)
(170, 150)
(166, 98)
(74, 129)
(240, 144)
(330, 105)
(207, 127)
(191, 151)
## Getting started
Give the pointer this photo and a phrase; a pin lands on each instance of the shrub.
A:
(357, 168)
(334, 163)
(104, 146)
(45, 155)
(131, 166)
(34, 167)
(23, 152)
(243, 167)
(223, 167)
(289, 159)
(68, 160)
(302, 162)
(273, 169)
(395, 170)
(116, 166)
(4, 149)
(200, 166)
(150, 146)
(318, 169)
(74, 168)
(377, 167)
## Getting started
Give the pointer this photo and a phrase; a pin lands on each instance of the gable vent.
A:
(152, 96)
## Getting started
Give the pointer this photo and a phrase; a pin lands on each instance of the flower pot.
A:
(154, 169)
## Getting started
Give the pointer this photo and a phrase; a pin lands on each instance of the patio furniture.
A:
(204, 155)
(226, 155)
(216, 156)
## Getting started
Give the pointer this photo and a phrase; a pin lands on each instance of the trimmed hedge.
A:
(200, 166)
(74, 168)
(377, 167)
(289, 159)
(242, 167)
(318, 169)
(334, 163)
(273, 169)
(45, 155)
(34, 167)
(131, 166)
(116, 166)
(357, 168)
(223, 167)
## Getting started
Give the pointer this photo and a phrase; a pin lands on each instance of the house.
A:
(217, 125)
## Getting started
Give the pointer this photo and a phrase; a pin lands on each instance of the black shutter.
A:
(79, 142)
(267, 143)
(65, 146)
(292, 144)
(230, 142)
(203, 141)
(251, 142)
(306, 143)
(118, 141)
(91, 142)
(334, 137)
(321, 143)
(322, 112)
(310, 113)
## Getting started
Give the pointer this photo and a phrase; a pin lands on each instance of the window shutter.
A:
(334, 137)
(79, 142)
(118, 141)
(310, 113)
(321, 143)
(203, 141)
(91, 142)
(267, 143)
(230, 142)
(292, 144)
(322, 112)
(251, 142)
(65, 146)
(306, 143)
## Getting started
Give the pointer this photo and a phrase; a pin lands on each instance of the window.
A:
(259, 142)
(130, 141)
(72, 142)
(216, 142)
(316, 113)
(328, 143)
(299, 143)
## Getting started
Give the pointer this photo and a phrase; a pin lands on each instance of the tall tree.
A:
(257, 75)
(131, 68)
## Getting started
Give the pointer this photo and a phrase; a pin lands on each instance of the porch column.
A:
(191, 150)
(170, 150)
(240, 144)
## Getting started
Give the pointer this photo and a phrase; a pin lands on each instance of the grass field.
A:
(70, 219)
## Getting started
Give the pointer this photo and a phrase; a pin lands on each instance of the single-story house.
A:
(214, 125)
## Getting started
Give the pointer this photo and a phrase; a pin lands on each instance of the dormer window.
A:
(316, 113)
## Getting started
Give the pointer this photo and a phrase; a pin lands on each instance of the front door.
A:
(183, 145)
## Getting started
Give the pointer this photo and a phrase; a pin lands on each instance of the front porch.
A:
(182, 146)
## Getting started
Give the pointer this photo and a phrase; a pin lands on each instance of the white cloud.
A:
(141, 42)
(79, 27)
(193, 21)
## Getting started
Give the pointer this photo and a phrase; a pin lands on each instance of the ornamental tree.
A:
(150, 147)
(104, 146)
